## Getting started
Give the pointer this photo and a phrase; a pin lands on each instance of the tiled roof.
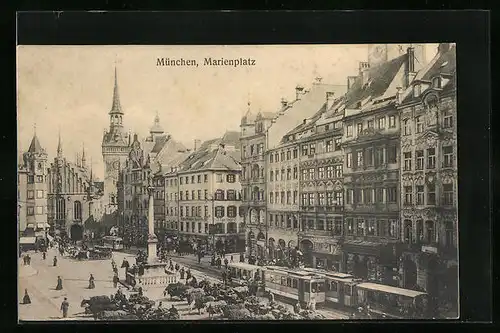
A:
(35, 146)
(443, 64)
(379, 79)
(309, 105)
(231, 138)
(219, 158)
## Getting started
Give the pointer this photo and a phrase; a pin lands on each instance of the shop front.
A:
(372, 261)
(322, 253)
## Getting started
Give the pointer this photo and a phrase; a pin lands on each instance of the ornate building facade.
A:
(32, 188)
(429, 179)
(253, 179)
(372, 162)
(115, 149)
(72, 197)
(157, 152)
(321, 184)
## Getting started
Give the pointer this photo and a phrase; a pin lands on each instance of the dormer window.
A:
(416, 90)
(436, 82)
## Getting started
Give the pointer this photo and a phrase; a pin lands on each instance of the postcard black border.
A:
(469, 29)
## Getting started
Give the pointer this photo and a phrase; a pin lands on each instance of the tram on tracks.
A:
(241, 272)
(293, 284)
(345, 290)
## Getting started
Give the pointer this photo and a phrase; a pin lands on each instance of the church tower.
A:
(115, 150)
(379, 53)
(35, 161)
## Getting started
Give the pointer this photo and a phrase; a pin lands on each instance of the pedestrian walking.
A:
(115, 280)
(91, 282)
(226, 262)
(65, 307)
(59, 283)
(232, 258)
(115, 270)
(297, 307)
(44, 255)
(188, 274)
(26, 298)
(29, 260)
(55, 261)
(182, 273)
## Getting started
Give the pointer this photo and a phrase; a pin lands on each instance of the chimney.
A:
(363, 71)
(329, 99)
(196, 144)
(350, 81)
(443, 47)
(298, 92)
(410, 69)
(284, 102)
(399, 95)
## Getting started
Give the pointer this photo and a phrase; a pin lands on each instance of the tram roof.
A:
(390, 289)
(299, 272)
(330, 274)
(244, 265)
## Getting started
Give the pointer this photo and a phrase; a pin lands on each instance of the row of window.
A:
(379, 123)
(30, 211)
(372, 227)
(373, 156)
(329, 198)
(372, 195)
(331, 171)
(428, 193)
(39, 179)
(257, 149)
(220, 195)
(418, 123)
(220, 211)
(288, 175)
(39, 194)
(197, 179)
(429, 155)
(220, 228)
(283, 197)
(61, 210)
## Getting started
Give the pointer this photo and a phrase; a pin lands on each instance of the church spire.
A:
(83, 155)
(116, 107)
(59, 146)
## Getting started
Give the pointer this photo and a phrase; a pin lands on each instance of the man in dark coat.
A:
(115, 280)
(59, 283)
(91, 282)
(55, 261)
(65, 307)
(44, 255)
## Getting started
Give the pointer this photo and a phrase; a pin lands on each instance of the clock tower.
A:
(379, 53)
(115, 149)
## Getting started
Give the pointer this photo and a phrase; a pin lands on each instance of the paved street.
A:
(40, 279)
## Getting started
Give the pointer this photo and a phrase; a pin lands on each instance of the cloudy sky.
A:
(69, 88)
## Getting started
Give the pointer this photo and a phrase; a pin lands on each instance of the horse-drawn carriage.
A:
(100, 253)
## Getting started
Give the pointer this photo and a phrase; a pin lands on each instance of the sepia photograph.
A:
(237, 182)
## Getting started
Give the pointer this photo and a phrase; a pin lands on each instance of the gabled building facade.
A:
(371, 145)
(429, 188)
(209, 196)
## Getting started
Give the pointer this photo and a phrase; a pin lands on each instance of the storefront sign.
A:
(429, 249)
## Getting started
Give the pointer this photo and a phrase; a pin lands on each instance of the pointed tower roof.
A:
(59, 146)
(156, 129)
(116, 108)
(35, 146)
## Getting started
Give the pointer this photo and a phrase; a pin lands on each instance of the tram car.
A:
(345, 290)
(296, 285)
(241, 272)
(112, 242)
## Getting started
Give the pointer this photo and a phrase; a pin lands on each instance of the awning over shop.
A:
(27, 240)
(362, 247)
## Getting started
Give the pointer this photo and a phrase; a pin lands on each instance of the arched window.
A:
(430, 234)
(77, 208)
(408, 231)
(60, 209)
